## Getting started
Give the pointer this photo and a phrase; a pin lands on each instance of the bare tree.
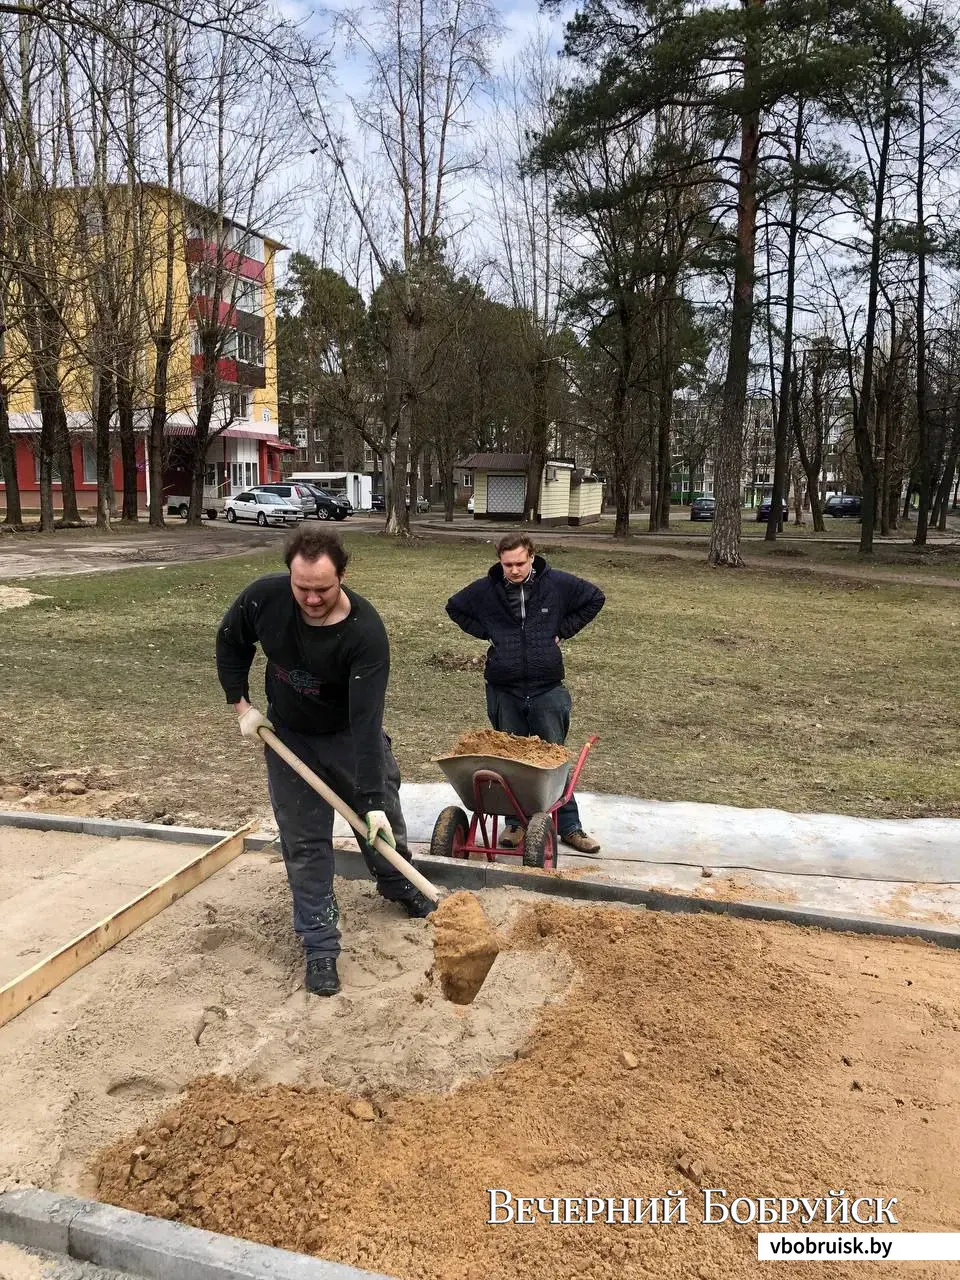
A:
(427, 61)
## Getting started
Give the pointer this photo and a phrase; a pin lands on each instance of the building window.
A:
(466, 480)
(250, 348)
(240, 404)
(300, 437)
(89, 462)
(251, 471)
(249, 297)
(196, 346)
(318, 459)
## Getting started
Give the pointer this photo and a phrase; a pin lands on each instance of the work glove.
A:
(251, 722)
(379, 824)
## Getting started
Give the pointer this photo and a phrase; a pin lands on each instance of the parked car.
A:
(295, 495)
(842, 504)
(470, 505)
(703, 508)
(377, 502)
(423, 504)
(763, 511)
(265, 508)
(328, 506)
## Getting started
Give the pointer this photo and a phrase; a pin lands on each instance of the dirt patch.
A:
(491, 742)
(690, 1052)
(464, 946)
(17, 597)
(456, 662)
(17, 1265)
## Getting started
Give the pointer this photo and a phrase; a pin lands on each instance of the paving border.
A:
(454, 873)
(152, 1248)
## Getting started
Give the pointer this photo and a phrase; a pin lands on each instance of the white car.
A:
(470, 505)
(265, 508)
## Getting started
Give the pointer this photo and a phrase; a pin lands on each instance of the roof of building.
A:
(496, 462)
(188, 200)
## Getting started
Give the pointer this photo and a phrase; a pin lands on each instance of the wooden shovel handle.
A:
(313, 780)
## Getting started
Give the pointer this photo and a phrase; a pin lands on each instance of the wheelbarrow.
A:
(492, 788)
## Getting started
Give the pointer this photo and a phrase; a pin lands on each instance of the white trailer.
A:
(352, 484)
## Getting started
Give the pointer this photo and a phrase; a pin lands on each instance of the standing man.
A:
(525, 608)
(328, 660)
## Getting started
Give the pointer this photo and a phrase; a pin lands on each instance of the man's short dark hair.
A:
(513, 542)
(312, 543)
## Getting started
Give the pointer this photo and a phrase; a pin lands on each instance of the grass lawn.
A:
(752, 687)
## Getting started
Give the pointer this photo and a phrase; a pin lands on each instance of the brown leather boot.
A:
(513, 838)
(583, 843)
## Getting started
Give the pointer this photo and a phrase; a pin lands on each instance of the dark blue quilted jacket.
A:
(524, 657)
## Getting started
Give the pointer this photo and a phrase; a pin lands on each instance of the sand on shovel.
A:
(464, 946)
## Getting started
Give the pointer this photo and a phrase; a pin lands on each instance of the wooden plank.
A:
(47, 974)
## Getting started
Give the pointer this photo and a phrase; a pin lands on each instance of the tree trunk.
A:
(782, 426)
(538, 438)
(725, 540)
(63, 447)
(104, 411)
(861, 423)
(622, 484)
(949, 470)
(8, 467)
(45, 469)
(920, 356)
(128, 450)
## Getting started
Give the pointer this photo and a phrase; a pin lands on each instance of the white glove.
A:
(379, 824)
(251, 722)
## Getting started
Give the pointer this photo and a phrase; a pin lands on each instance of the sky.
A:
(520, 21)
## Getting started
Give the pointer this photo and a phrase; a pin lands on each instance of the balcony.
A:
(210, 253)
(226, 369)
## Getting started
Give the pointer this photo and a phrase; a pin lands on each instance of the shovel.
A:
(317, 783)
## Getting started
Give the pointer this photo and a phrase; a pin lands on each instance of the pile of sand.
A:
(691, 1051)
(491, 742)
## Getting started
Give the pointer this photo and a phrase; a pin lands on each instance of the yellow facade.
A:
(148, 275)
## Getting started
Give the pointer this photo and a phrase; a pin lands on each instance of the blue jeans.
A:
(546, 716)
(305, 821)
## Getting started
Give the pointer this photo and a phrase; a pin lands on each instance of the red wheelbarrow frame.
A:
(478, 819)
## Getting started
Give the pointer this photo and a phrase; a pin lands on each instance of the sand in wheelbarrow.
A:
(491, 742)
(465, 946)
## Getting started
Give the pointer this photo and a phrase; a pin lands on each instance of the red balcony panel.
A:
(206, 251)
(226, 368)
(250, 269)
(201, 307)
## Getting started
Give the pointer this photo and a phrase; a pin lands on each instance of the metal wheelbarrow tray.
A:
(536, 787)
(495, 787)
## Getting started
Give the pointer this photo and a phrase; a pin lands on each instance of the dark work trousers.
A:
(306, 831)
(546, 716)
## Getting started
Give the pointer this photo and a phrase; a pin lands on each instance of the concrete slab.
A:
(153, 1248)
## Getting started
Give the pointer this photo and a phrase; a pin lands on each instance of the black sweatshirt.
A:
(319, 679)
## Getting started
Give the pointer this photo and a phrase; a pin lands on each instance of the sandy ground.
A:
(607, 1048)
(35, 1264)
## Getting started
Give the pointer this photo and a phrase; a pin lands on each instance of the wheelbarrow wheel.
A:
(540, 844)
(450, 834)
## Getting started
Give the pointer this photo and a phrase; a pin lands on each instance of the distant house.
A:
(500, 485)
(586, 498)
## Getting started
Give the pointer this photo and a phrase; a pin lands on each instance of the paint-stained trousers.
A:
(305, 821)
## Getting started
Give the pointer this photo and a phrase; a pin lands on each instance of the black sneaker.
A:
(418, 906)
(321, 976)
